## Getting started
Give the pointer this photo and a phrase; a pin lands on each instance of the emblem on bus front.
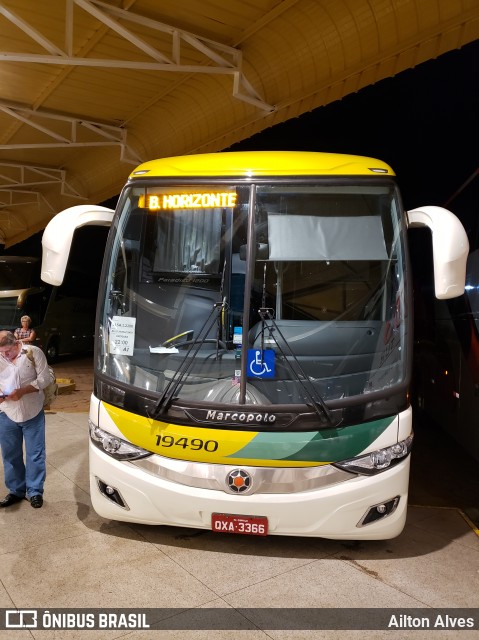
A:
(235, 418)
(238, 481)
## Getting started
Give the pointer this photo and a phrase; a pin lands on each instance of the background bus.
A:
(64, 316)
(446, 371)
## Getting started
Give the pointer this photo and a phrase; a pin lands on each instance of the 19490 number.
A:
(187, 443)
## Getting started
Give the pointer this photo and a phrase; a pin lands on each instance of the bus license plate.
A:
(248, 525)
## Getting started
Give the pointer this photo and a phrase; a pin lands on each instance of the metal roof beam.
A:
(101, 134)
(14, 176)
(29, 30)
(220, 58)
(15, 198)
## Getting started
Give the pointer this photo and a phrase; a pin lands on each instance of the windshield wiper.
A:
(178, 377)
(315, 399)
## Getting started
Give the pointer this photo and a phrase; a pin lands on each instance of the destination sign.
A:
(209, 200)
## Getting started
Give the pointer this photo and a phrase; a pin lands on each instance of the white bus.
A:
(254, 343)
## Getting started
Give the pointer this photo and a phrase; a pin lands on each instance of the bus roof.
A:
(249, 164)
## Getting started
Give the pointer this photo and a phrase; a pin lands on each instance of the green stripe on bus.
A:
(327, 445)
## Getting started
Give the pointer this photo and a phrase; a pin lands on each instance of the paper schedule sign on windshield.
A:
(122, 335)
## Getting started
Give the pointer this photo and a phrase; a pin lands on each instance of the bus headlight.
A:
(377, 461)
(114, 446)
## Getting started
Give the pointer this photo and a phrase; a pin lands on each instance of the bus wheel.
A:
(52, 351)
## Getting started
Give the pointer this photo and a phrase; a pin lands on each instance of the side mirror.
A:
(450, 248)
(58, 236)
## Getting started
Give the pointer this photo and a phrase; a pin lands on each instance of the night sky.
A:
(423, 122)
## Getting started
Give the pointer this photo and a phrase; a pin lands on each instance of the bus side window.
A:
(36, 307)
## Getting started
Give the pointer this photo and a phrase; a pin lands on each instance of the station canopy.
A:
(90, 89)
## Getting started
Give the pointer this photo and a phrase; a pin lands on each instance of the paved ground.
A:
(80, 370)
(65, 556)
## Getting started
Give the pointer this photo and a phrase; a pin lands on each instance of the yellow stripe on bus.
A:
(195, 443)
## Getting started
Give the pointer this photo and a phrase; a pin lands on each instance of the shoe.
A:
(10, 499)
(36, 501)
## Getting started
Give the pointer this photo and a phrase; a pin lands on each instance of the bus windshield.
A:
(282, 292)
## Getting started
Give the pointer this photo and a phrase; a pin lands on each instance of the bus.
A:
(253, 346)
(446, 369)
(63, 316)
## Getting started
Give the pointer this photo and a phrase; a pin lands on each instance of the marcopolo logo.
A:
(250, 417)
(235, 417)
(238, 481)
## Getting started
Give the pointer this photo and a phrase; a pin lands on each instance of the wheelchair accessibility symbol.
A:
(260, 363)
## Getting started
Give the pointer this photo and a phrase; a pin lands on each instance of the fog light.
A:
(379, 511)
(111, 494)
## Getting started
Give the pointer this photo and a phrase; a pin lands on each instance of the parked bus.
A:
(21, 291)
(446, 372)
(63, 317)
(254, 343)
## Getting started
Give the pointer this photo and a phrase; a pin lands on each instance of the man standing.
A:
(22, 419)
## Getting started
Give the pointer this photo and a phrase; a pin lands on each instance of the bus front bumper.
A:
(335, 511)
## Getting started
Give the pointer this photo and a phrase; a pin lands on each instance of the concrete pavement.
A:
(66, 556)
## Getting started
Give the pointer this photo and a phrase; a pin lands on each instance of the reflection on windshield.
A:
(316, 293)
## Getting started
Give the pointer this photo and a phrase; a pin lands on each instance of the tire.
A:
(52, 351)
